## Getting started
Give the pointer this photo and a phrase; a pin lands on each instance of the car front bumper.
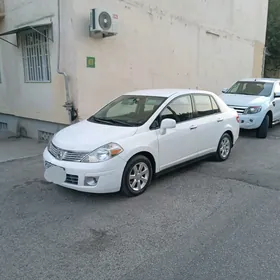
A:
(107, 174)
(252, 121)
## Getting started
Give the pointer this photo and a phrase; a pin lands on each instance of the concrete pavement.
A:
(12, 148)
(208, 221)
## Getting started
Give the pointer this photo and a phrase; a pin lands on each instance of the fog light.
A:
(91, 181)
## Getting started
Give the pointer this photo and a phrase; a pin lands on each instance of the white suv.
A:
(257, 102)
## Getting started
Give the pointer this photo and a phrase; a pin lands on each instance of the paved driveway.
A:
(208, 221)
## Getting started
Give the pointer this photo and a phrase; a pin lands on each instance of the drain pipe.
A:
(68, 104)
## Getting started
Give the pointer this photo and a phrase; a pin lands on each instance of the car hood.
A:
(243, 100)
(87, 136)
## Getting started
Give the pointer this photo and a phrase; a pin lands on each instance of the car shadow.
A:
(247, 133)
(187, 167)
(273, 132)
(77, 196)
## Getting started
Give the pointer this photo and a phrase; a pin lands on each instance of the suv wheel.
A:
(263, 129)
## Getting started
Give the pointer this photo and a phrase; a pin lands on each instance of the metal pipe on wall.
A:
(68, 104)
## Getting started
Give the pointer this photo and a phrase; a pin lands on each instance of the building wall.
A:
(41, 101)
(188, 44)
(168, 44)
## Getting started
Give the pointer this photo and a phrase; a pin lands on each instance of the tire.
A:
(133, 184)
(263, 129)
(224, 147)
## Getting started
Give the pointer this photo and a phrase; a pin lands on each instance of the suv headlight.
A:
(103, 153)
(253, 110)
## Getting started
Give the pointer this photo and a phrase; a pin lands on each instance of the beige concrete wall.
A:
(167, 44)
(199, 44)
(258, 59)
(41, 101)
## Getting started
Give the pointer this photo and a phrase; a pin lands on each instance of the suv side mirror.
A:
(167, 124)
(224, 90)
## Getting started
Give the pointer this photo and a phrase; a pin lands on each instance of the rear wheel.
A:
(263, 129)
(137, 176)
(224, 147)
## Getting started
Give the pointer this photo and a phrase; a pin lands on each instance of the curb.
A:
(20, 158)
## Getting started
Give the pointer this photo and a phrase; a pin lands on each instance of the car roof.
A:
(166, 92)
(261, 80)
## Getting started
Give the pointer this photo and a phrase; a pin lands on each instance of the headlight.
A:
(103, 153)
(253, 110)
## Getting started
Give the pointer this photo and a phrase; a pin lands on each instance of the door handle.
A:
(220, 119)
(193, 127)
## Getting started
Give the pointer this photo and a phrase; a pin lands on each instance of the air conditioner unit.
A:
(103, 23)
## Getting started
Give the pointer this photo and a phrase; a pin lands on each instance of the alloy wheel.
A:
(225, 147)
(139, 176)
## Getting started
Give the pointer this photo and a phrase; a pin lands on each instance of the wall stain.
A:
(156, 11)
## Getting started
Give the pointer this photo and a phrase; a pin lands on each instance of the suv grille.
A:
(64, 155)
(239, 110)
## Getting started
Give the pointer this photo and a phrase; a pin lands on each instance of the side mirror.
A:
(167, 124)
(224, 90)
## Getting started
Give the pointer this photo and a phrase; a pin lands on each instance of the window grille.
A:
(36, 55)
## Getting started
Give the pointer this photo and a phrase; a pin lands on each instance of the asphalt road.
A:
(208, 221)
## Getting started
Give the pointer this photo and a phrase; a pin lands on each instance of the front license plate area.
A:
(55, 175)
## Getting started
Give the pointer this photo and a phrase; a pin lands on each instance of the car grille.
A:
(64, 155)
(72, 179)
(239, 110)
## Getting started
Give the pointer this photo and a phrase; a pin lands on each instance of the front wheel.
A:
(263, 129)
(224, 147)
(137, 176)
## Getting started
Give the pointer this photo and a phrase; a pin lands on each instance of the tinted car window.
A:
(179, 109)
(203, 105)
(215, 106)
(251, 88)
(128, 110)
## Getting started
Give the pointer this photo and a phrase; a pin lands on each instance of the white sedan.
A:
(136, 136)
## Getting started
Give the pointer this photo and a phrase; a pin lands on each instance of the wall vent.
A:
(44, 136)
(3, 126)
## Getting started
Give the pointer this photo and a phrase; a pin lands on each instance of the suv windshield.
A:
(128, 110)
(251, 88)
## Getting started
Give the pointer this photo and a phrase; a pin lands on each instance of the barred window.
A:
(36, 55)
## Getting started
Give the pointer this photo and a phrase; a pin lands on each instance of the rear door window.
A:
(205, 105)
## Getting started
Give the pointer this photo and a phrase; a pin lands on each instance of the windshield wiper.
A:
(99, 120)
(110, 121)
(120, 122)
(241, 93)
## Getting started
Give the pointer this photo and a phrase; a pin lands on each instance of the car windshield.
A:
(251, 88)
(128, 110)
